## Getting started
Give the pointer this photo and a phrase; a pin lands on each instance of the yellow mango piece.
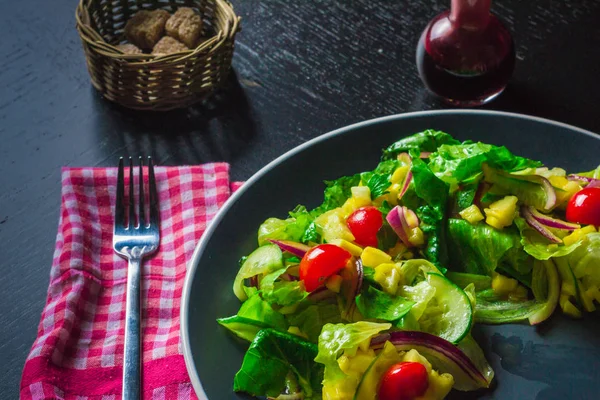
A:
(578, 234)
(388, 276)
(334, 283)
(416, 236)
(519, 294)
(351, 248)
(372, 257)
(503, 285)
(399, 174)
(472, 214)
(587, 298)
(333, 225)
(568, 308)
(558, 181)
(502, 212)
(362, 193)
(398, 249)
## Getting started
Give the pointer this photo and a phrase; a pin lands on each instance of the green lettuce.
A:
(478, 249)
(283, 293)
(312, 318)
(585, 260)
(378, 180)
(434, 193)
(376, 304)
(243, 328)
(336, 193)
(343, 338)
(257, 309)
(428, 140)
(538, 246)
(460, 163)
(271, 357)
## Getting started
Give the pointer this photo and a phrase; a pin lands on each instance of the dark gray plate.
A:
(559, 360)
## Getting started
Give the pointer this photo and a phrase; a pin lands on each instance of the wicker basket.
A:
(145, 81)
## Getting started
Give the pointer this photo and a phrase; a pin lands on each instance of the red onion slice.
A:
(552, 222)
(543, 230)
(393, 218)
(443, 356)
(352, 282)
(297, 249)
(406, 184)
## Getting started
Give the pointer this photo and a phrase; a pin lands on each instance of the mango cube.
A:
(372, 257)
(502, 212)
(472, 214)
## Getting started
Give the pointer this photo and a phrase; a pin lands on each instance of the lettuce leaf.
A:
(257, 309)
(434, 193)
(283, 293)
(243, 328)
(336, 193)
(428, 140)
(271, 357)
(339, 338)
(538, 246)
(376, 304)
(311, 319)
(460, 163)
(477, 249)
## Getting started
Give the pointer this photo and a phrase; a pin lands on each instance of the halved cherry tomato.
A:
(403, 381)
(320, 262)
(584, 207)
(364, 224)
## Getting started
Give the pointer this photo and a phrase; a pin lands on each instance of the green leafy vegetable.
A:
(459, 163)
(378, 180)
(282, 292)
(271, 357)
(376, 304)
(243, 328)
(257, 309)
(538, 246)
(477, 249)
(434, 193)
(336, 193)
(428, 140)
(311, 319)
(343, 338)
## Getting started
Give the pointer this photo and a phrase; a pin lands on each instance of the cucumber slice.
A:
(263, 260)
(367, 387)
(449, 315)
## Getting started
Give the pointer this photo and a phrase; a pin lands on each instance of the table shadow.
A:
(217, 129)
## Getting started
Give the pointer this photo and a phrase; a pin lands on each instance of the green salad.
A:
(373, 294)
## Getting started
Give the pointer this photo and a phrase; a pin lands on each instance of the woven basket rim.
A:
(99, 44)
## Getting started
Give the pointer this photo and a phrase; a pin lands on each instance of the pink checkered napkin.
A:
(78, 353)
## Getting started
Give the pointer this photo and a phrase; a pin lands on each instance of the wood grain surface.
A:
(302, 68)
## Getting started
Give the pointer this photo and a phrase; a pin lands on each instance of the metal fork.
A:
(134, 241)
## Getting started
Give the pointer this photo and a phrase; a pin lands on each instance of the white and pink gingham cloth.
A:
(78, 352)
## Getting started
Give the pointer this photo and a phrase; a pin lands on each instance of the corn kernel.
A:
(334, 283)
(372, 257)
(472, 214)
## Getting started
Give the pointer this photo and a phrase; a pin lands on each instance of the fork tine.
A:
(131, 198)
(119, 206)
(152, 194)
(142, 199)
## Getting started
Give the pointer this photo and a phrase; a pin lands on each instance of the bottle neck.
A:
(470, 14)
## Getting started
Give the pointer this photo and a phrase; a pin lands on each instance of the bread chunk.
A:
(168, 45)
(146, 28)
(186, 26)
(129, 48)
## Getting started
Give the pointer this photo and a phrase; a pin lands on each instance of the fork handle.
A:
(132, 353)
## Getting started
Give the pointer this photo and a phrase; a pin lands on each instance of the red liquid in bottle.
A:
(466, 56)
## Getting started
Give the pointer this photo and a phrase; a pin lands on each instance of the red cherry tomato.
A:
(364, 224)
(403, 381)
(584, 207)
(321, 262)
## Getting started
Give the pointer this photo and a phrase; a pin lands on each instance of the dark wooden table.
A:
(302, 68)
